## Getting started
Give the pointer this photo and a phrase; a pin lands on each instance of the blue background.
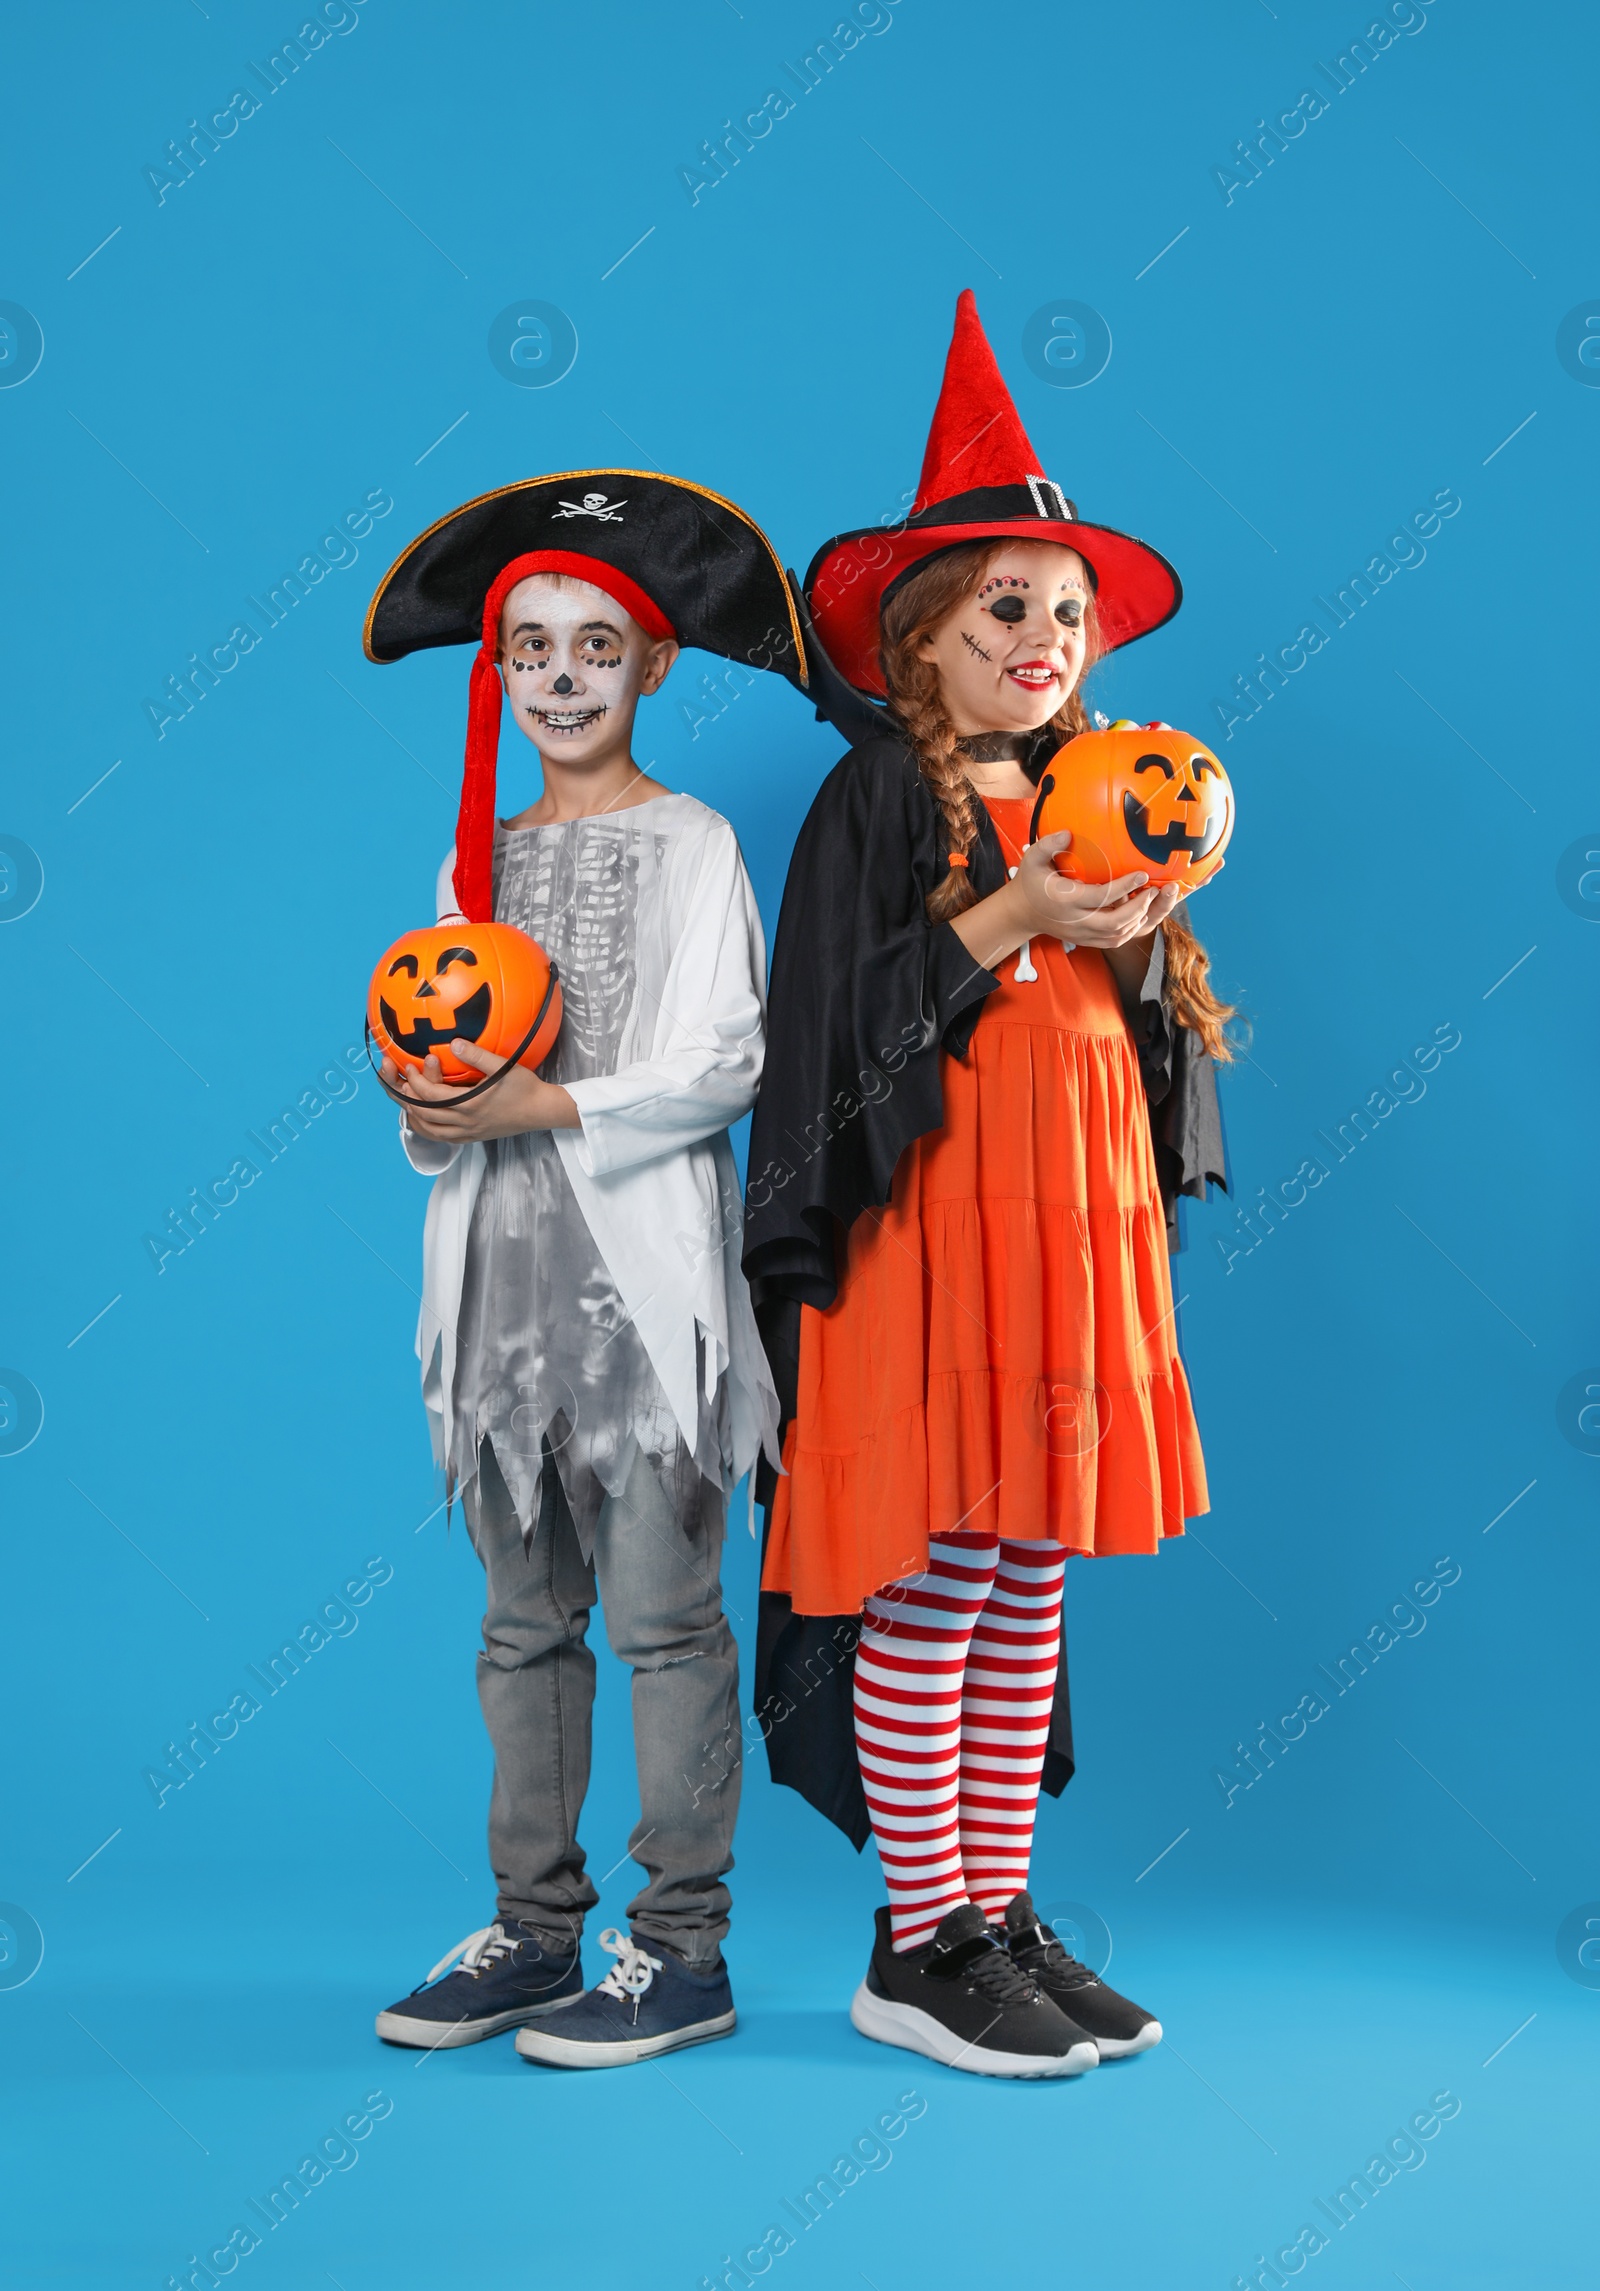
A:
(1294, 371)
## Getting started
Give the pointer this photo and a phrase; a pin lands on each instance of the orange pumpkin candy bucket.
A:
(484, 983)
(1139, 799)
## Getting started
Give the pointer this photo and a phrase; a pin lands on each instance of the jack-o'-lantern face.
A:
(1179, 805)
(425, 1013)
(484, 983)
(1139, 799)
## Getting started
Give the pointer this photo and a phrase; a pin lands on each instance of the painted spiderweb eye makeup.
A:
(1009, 608)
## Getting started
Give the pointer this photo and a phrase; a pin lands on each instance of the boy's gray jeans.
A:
(662, 1602)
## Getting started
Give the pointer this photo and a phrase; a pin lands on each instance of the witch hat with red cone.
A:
(981, 480)
(684, 561)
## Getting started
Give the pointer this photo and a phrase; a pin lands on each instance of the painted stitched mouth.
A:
(465, 1024)
(566, 719)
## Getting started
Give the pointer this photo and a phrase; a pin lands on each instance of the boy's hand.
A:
(520, 1102)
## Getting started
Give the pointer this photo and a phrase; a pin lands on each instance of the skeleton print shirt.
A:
(547, 1356)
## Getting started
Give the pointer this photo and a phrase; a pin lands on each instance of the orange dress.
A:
(1000, 1358)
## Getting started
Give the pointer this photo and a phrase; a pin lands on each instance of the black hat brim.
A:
(709, 567)
(1136, 589)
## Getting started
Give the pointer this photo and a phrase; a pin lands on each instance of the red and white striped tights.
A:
(955, 1676)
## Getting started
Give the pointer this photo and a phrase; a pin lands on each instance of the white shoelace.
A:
(484, 1947)
(633, 1971)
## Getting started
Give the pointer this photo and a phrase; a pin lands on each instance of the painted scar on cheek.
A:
(974, 646)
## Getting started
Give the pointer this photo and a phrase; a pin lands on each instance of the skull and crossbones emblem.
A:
(594, 505)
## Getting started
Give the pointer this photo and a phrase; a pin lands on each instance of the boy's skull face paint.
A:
(1009, 655)
(574, 664)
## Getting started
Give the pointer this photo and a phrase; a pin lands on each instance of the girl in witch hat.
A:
(955, 1230)
(590, 1363)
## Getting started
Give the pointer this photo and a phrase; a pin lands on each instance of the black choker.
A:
(995, 747)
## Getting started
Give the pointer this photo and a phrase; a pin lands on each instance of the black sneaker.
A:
(1117, 2025)
(963, 2000)
(647, 2004)
(507, 1974)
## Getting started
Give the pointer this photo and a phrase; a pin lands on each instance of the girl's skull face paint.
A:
(1009, 655)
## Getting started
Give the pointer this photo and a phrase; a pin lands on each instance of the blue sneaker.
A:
(506, 1975)
(645, 2005)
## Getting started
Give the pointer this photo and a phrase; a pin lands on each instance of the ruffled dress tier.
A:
(1001, 1357)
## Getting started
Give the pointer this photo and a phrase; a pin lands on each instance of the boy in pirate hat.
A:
(590, 1364)
(961, 1272)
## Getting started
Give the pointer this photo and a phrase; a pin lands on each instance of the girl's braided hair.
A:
(920, 605)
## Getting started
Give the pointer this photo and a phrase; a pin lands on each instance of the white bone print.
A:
(1024, 972)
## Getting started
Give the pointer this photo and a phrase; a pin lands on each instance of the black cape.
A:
(865, 995)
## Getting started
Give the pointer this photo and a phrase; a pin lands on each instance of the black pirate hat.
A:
(686, 563)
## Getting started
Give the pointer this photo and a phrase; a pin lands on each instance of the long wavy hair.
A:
(919, 606)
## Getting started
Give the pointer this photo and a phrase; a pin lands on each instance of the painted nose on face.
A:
(562, 684)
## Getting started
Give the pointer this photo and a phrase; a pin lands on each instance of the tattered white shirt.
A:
(651, 1168)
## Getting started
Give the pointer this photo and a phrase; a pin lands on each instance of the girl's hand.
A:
(521, 1102)
(1171, 895)
(1089, 914)
(1167, 897)
(1038, 903)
